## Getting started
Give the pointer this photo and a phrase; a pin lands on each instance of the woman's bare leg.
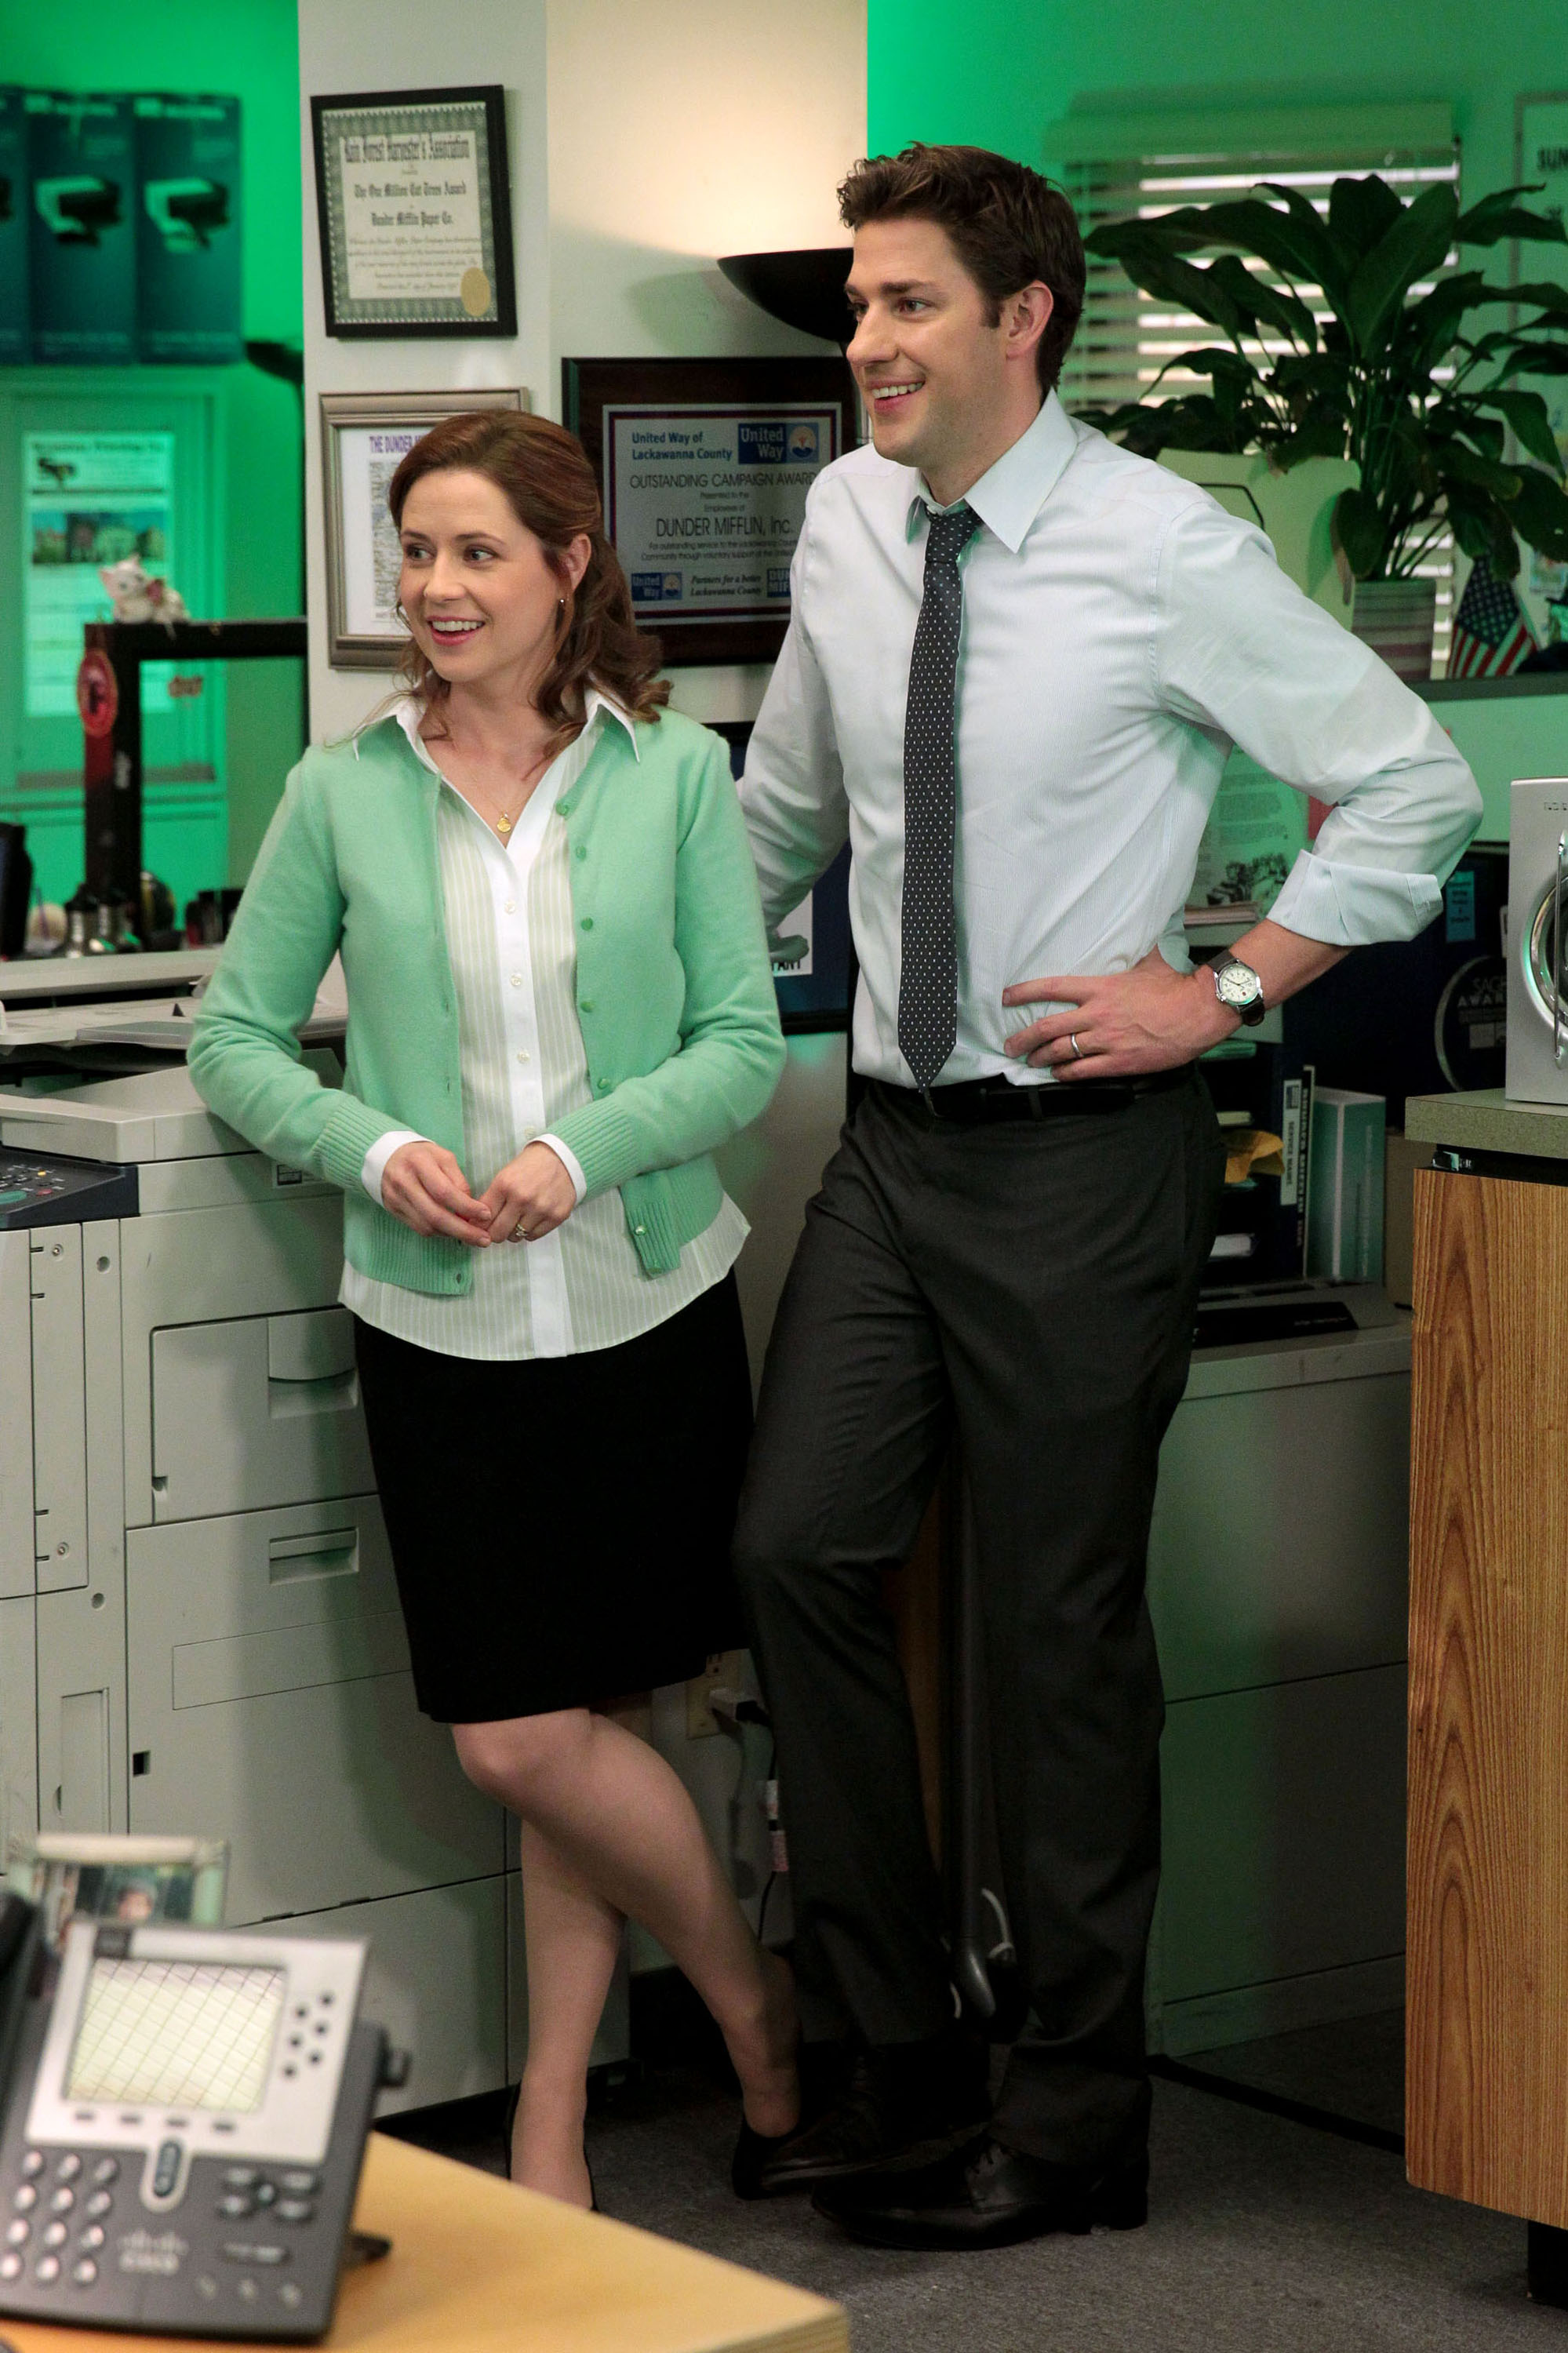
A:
(573, 1940)
(615, 1813)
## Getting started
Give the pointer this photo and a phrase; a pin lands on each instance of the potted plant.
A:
(1398, 380)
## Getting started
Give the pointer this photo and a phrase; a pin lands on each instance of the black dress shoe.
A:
(902, 2107)
(988, 2196)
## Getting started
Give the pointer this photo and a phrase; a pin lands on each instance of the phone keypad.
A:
(56, 2257)
(55, 2233)
(290, 2198)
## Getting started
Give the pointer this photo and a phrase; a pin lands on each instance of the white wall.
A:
(345, 46)
(646, 137)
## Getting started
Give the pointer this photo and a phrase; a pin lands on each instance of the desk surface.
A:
(1489, 1121)
(478, 2266)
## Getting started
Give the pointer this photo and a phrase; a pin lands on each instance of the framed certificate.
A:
(365, 437)
(415, 210)
(704, 467)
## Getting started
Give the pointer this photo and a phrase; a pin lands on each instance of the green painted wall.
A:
(994, 73)
(251, 49)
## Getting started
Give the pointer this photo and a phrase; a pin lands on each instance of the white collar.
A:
(1009, 494)
(409, 711)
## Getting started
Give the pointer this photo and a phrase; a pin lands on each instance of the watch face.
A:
(1237, 984)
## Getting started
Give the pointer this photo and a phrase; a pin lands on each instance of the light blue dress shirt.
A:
(1121, 633)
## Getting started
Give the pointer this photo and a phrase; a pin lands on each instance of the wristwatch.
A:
(1238, 987)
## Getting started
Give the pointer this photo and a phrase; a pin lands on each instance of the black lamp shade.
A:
(805, 289)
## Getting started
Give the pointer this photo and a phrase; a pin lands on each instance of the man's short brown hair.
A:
(1008, 226)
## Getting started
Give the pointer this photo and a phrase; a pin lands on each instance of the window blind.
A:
(1127, 336)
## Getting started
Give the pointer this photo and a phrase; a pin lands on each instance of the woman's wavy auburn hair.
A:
(548, 483)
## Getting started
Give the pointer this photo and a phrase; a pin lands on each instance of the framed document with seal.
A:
(704, 467)
(415, 210)
(365, 434)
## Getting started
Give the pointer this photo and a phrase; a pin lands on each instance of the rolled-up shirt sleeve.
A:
(1239, 649)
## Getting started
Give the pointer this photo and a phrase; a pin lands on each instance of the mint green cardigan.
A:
(674, 992)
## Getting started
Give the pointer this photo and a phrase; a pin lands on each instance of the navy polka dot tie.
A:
(928, 981)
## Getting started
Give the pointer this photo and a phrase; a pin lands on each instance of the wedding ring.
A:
(519, 1231)
(1077, 1050)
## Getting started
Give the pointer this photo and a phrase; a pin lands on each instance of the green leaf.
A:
(1181, 231)
(1411, 249)
(1147, 427)
(1484, 432)
(1530, 359)
(1361, 212)
(1540, 513)
(1531, 420)
(1272, 305)
(1176, 282)
(1497, 216)
(1217, 360)
(1320, 437)
(1540, 293)
(1430, 326)
(1481, 528)
(1317, 252)
(1358, 528)
(1323, 375)
(1459, 464)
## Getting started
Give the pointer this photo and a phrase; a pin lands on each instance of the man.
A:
(1017, 661)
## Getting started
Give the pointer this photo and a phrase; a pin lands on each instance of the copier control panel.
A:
(53, 1192)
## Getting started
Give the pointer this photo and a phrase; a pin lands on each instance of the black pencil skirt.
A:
(560, 1526)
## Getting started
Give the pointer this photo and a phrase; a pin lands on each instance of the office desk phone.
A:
(184, 2123)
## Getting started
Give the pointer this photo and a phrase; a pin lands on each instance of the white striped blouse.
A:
(510, 935)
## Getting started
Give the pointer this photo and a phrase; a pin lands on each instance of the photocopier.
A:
(200, 1629)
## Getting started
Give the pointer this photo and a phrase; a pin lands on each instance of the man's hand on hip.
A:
(1117, 1024)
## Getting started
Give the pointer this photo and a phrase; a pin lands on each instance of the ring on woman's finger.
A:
(519, 1232)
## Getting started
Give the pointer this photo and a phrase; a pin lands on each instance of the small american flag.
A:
(1491, 636)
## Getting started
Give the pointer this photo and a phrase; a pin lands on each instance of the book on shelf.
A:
(1344, 1205)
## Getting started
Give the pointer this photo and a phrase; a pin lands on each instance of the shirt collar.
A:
(1009, 494)
(409, 709)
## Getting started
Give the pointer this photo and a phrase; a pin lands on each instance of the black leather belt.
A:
(971, 1103)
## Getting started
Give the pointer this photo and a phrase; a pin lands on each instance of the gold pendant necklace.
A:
(504, 825)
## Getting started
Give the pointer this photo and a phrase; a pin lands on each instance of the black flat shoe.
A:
(754, 2153)
(903, 2108)
(988, 2196)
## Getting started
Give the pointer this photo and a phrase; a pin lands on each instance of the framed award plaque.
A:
(704, 467)
(415, 210)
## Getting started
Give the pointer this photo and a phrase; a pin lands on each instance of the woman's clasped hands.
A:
(424, 1184)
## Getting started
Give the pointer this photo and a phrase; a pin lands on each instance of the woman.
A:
(560, 1003)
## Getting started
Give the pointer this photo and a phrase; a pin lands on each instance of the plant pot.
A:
(1396, 619)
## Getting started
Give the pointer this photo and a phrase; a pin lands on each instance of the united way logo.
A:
(777, 441)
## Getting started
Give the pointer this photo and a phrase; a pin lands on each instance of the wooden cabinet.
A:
(1487, 2075)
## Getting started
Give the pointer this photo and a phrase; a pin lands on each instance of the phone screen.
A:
(176, 2034)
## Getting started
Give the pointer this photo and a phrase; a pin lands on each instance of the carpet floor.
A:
(1264, 2235)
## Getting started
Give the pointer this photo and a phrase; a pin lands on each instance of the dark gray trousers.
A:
(1032, 1285)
